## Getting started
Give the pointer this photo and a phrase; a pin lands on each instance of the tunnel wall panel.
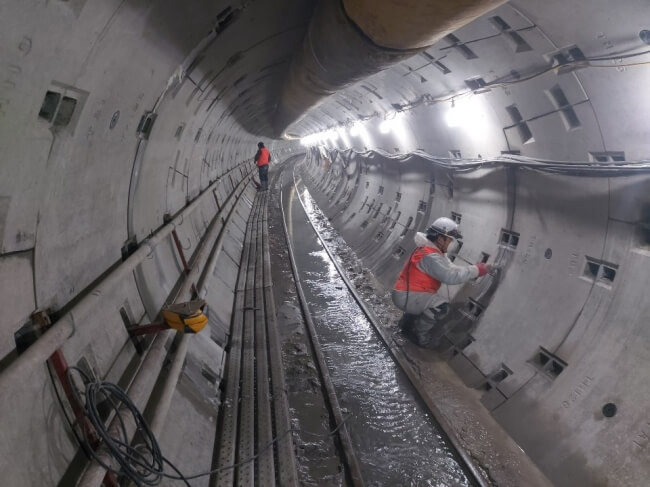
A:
(16, 296)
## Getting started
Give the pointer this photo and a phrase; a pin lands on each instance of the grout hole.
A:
(65, 111)
(548, 363)
(49, 105)
(518, 42)
(443, 69)
(591, 268)
(499, 376)
(509, 238)
(612, 156)
(486, 386)
(555, 368)
(609, 274)
(499, 23)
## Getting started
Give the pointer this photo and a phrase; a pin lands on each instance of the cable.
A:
(618, 65)
(585, 63)
(143, 462)
(613, 58)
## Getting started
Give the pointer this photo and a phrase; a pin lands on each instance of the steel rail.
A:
(349, 456)
(471, 470)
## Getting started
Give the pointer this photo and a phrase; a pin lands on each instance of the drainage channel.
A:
(395, 437)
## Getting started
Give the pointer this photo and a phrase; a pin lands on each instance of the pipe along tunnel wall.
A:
(211, 232)
(561, 332)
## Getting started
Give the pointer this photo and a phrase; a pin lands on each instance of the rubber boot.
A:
(405, 324)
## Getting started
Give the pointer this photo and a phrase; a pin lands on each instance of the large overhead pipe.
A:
(349, 40)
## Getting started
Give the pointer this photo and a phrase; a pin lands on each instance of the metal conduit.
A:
(349, 40)
(142, 386)
(17, 372)
(164, 402)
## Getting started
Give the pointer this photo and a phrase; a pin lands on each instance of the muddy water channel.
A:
(396, 440)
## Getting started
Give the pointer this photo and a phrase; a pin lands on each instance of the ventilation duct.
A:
(349, 40)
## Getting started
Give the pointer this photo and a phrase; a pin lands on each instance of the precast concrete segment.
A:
(401, 359)
(348, 453)
(62, 329)
(337, 50)
(143, 384)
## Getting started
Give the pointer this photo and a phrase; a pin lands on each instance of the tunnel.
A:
(168, 320)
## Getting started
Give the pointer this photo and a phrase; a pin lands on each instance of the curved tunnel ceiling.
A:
(509, 68)
(116, 114)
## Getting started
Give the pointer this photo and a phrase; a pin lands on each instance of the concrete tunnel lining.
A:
(65, 185)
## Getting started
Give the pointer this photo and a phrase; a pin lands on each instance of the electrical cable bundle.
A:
(143, 463)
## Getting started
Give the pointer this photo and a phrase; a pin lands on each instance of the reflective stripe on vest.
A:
(413, 279)
(265, 155)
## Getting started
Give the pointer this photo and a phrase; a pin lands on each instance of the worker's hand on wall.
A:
(483, 268)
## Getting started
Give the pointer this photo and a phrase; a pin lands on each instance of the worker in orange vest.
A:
(262, 159)
(416, 289)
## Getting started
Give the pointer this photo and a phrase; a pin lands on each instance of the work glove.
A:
(483, 268)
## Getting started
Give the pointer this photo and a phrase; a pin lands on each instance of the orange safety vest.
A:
(413, 279)
(265, 155)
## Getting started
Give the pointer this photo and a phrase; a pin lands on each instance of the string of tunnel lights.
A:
(460, 112)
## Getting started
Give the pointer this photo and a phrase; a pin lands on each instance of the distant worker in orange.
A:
(416, 289)
(262, 159)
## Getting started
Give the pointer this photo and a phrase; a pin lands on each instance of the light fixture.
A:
(385, 126)
(468, 113)
(453, 116)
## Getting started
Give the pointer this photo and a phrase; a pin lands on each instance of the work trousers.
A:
(423, 313)
(264, 177)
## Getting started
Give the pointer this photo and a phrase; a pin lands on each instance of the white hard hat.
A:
(444, 226)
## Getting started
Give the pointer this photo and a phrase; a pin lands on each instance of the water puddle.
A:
(396, 440)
